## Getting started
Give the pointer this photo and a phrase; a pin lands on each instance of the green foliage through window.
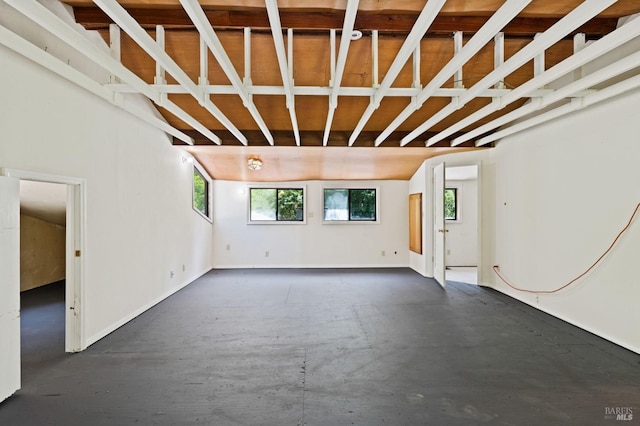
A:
(277, 204)
(200, 193)
(349, 204)
(451, 204)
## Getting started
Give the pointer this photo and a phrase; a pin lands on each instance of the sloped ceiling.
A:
(237, 79)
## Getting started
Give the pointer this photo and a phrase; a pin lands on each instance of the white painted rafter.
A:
(422, 24)
(121, 17)
(60, 29)
(493, 26)
(572, 90)
(578, 16)
(336, 79)
(617, 89)
(583, 56)
(55, 65)
(199, 19)
(285, 72)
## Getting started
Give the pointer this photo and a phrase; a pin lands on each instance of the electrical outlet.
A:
(228, 247)
(184, 268)
(171, 274)
(448, 251)
(266, 253)
(383, 253)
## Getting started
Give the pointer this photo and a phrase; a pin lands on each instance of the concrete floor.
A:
(324, 347)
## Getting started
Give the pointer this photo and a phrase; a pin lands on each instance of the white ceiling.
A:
(44, 201)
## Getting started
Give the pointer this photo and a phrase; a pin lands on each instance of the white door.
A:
(438, 225)
(9, 286)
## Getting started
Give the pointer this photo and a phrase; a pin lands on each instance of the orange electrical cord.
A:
(495, 268)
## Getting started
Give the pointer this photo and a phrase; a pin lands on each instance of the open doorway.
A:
(50, 198)
(43, 212)
(461, 221)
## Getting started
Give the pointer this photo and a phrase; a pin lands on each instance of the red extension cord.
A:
(495, 268)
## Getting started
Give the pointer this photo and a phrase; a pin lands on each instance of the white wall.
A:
(140, 223)
(563, 191)
(313, 244)
(462, 238)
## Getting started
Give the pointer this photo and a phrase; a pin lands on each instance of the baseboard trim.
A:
(568, 320)
(310, 266)
(113, 327)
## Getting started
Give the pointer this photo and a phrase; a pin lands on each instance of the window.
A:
(343, 204)
(451, 204)
(201, 193)
(276, 204)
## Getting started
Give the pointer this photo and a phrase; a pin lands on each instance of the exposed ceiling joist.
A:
(94, 18)
(144, 40)
(424, 21)
(338, 71)
(570, 91)
(43, 17)
(197, 15)
(480, 39)
(590, 52)
(286, 71)
(575, 104)
(577, 17)
(41, 57)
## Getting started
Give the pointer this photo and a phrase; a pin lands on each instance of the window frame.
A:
(350, 221)
(457, 191)
(276, 221)
(208, 184)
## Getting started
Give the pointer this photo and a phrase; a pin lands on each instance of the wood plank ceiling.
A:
(441, 74)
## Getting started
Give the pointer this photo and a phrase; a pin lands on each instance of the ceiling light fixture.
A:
(254, 163)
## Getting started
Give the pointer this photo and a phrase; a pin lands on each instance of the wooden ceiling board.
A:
(312, 59)
(537, 8)
(314, 163)
(311, 67)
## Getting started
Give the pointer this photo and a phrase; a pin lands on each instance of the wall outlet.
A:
(266, 253)
(228, 247)
(171, 274)
(184, 268)
(383, 253)
(448, 251)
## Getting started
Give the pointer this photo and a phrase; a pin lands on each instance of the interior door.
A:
(439, 229)
(9, 286)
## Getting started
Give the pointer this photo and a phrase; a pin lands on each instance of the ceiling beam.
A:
(568, 91)
(144, 40)
(60, 29)
(587, 54)
(286, 69)
(617, 89)
(503, 15)
(55, 65)
(94, 18)
(338, 71)
(422, 24)
(581, 14)
(197, 15)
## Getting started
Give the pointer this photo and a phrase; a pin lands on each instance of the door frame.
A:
(74, 251)
(439, 225)
(478, 164)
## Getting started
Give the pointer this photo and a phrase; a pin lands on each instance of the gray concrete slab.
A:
(323, 347)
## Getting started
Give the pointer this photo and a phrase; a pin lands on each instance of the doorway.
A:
(73, 191)
(462, 223)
